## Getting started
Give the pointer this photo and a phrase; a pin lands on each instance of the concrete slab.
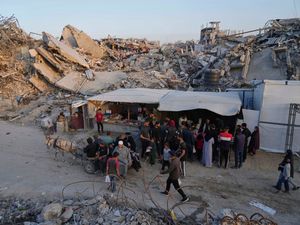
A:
(76, 38)
(40, 84)
(76, 82)
(49, 58)
(64, 50)
(47, 72)
(261, 67)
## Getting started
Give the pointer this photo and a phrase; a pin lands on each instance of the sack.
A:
(179, 182)
(107, 179)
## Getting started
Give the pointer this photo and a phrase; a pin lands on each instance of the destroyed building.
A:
(78, 64)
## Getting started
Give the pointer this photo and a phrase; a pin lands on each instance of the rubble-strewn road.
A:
(28, 170)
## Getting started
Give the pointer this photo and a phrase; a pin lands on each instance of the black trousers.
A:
(245, 150)
(100, 124)
(145, 144)
(176, 186)
(238, 157)
(224, 156)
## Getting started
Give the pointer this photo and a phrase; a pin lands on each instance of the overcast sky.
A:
(164, 20)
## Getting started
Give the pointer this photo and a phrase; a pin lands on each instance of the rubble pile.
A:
(14, 65)
(99, 210)
(283, 38)
(81, 65)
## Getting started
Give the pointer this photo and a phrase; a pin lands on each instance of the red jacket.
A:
(99, 117)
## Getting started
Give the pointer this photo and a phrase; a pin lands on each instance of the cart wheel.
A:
(89, 167)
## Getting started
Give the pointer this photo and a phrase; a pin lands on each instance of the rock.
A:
(117, 213)
(52, 211)
(30, 223)
(67, 214)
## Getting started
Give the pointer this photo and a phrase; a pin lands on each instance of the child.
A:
(166, 156)
(113, 170)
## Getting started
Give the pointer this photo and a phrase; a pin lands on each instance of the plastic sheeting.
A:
(133, 95)
(277, 97)
(223, 103)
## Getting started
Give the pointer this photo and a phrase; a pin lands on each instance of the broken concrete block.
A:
(64, 50)
(76, 38)
(49, 58)
(33, 53)
(47, 72)
(40, 84)
(75, 82)
(52, 211)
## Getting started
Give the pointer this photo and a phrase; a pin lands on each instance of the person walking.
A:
(225, 138)
(247, 134)
(174, 174)
(113, 170)
(239, 144)
(189, 140)
(284, 176)
(99, 120)
(156, 135)
(254, 141)
(207, 150)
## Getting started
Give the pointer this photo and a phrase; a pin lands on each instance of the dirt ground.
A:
(28, 170)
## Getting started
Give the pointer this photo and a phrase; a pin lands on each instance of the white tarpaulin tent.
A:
(223, 103)
(274, 111)
(133, 95)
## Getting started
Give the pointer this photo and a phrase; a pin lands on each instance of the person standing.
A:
(214, 133)
(124, 158)
(174, 174)
(99, 120)
(254, 141)
(171, 136)
(113, 170)
(239, 140)
(145, 137)
(247, 134)
(156, 135)
(166, 157)
(205, 127)
(207, 150)
(102, 156)
(225, 138)
(189, 140)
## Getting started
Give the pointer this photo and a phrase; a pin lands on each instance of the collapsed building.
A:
(80, 66)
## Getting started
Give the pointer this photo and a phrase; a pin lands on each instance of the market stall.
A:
(127, 106)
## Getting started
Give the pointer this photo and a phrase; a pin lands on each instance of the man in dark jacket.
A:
(174, 174)
(247, 134)
(156, 135)
(239, 143)
(189, 140)
(91, 148)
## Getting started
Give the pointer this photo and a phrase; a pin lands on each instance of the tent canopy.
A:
(223, 103)
(132, 95)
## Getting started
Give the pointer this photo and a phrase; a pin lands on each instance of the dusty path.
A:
(27, 169)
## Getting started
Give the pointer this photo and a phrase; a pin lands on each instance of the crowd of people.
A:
(172, 144)
(207, 142)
